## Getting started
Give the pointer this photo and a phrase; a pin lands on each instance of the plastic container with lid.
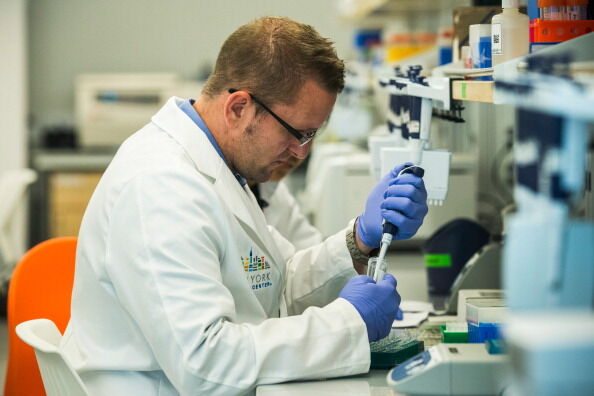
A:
(552, 10)
(510, 33)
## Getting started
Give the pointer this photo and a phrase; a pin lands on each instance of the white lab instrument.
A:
(450, 369)
(111, 107)
(226, 281)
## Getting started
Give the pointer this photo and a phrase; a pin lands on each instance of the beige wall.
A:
(67, 37)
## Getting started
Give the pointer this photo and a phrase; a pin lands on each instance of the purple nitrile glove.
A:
(376, 303)
(400, 200)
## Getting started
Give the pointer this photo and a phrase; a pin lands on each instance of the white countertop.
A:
(370, 384)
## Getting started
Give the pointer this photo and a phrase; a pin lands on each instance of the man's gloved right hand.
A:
(376, 303)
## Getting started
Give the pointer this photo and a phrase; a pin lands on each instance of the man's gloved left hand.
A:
(400, 200)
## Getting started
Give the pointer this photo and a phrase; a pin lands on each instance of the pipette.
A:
(389, 230)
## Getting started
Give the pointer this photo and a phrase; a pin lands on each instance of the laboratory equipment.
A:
(551, 31)
(111, 107)
(482, 271)
(448, 250)
(548, 252)
(394, 349)
(459, 256)
(465, 295)
(552, 353)
(389, 230)
(509, 33)
(417, 97)
(451, 369)
(454, 333)
(484, 317)
(371, 263)
(576, 10)
(381, 267)
(412, 100)
(552, 10)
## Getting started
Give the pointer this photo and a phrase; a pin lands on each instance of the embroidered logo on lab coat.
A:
(257, 270)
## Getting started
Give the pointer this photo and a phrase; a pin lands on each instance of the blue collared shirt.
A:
(187, 108)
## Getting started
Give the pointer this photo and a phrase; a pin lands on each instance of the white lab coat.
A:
(284, 214)
(169, 295)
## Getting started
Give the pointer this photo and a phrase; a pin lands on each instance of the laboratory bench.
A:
(373, 383)
(409, 269)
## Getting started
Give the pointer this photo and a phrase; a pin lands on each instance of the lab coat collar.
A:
(239, 200)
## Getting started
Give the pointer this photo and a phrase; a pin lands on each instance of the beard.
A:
(251, 148)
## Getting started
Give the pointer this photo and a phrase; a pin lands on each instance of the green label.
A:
(438, 260)
(463, 93)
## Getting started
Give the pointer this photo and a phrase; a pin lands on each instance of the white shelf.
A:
(358, 9)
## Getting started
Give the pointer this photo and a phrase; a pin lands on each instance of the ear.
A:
(236, 110)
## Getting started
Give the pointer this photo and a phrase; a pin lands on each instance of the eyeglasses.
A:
(304, 137)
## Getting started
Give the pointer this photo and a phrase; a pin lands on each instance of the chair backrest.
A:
(59, 378)
(41, 287)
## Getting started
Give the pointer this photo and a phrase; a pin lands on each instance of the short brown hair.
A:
(272, 57)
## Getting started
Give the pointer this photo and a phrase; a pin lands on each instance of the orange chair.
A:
(40, 287)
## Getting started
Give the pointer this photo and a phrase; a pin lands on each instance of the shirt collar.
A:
(186, 107)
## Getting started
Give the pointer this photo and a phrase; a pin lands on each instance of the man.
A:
(180, 286)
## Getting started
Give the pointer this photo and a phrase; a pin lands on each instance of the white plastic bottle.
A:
(509, 33)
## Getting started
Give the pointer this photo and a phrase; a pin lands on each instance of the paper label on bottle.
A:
(496, 39)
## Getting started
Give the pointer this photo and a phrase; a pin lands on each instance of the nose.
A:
(300, 151)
